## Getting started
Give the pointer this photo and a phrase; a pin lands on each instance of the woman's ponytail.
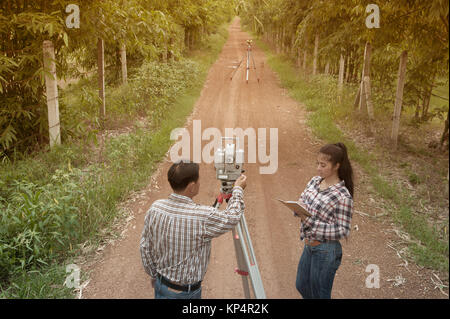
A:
(338, 154)
(345, 169)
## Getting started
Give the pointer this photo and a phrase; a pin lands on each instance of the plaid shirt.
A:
(331, 211)
(176, 240)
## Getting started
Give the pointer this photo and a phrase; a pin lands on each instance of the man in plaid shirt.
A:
(176, 239)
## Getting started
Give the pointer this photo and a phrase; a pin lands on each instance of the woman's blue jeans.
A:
(317, 268)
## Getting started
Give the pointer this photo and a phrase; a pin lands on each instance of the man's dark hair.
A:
(181, 173)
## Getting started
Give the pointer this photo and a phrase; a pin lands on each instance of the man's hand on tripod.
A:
(241, 181)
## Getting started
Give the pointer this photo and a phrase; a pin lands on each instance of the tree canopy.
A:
(150, 30)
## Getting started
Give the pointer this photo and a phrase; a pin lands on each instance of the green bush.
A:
(158, 85)
(39, 222)
(150, 91)
(57, 199)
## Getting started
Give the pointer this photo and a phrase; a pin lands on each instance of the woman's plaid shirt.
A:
(176, 240)
(331, 211)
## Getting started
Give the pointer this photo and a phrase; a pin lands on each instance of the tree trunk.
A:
(445, 134)
(316, 49)
(276, 41)
(274, 37)
(365, 72)
(360, 100)
(280, 40)
(427, 99)
(101, 77)
(367, 90)
(357, 98)
(123, 61)
(327, 68)
(292, 50)
(165, 52)
(305, 56)
(52, 93)
(187, 41)
(170, 55)
(425, 105)
(351, 62)
(399, 98)
(416, 114)
(347, 67)
(341, 73)
(355, 67)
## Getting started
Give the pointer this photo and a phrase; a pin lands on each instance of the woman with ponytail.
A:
(328, 197)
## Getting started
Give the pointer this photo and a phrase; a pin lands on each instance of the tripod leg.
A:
(254, 66)
(248, 65)
(246, 260)
(242, 267)
(235, 70)
(250, 259)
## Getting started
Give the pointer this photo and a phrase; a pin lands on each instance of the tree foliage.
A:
(153, 30)
(420, 27)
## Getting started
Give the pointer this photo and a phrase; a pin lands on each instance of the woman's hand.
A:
(302, 218)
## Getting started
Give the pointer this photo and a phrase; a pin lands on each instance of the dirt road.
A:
(275, 233)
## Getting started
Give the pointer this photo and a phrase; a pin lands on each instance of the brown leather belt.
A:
(186, 288)
(312, 243)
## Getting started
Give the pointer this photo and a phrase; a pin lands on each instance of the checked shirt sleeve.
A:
(342, 225)
(219, 222)
(146, 255)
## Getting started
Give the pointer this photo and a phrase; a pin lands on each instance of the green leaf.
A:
(66, 40)
(50, 29)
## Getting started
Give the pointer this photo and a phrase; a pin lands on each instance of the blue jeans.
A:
(317, 268)
(164, 292)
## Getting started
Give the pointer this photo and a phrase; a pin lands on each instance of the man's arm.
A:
(145, 249)
(219, 222)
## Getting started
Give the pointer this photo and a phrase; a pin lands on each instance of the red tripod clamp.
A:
(223, 196)
(241, 272)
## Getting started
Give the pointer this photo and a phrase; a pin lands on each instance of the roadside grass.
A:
(59, 199)
(38, 284)
(430, 247)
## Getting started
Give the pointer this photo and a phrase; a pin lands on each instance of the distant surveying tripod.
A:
(247, 266)
(249, 57)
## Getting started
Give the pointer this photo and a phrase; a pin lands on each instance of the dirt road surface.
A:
(118, 273)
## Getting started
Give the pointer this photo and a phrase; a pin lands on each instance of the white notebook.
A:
(295, 207)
